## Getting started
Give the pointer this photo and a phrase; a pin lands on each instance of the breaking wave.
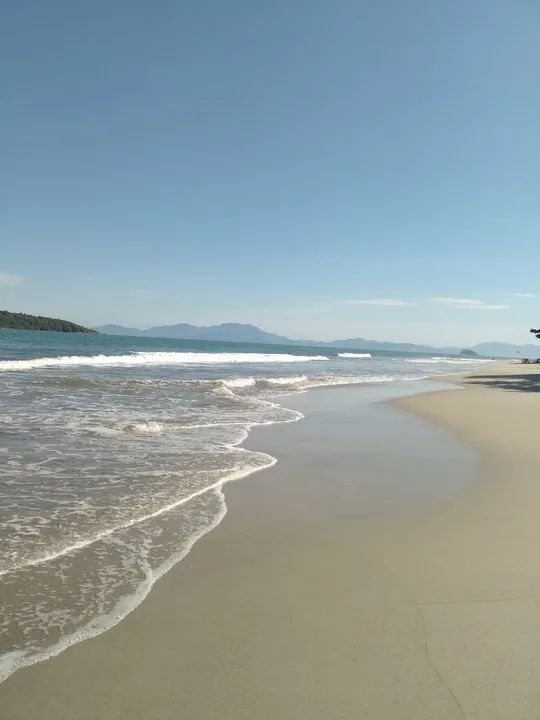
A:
(448, 360)
(354, 355)
(148, 426)
(154, 358)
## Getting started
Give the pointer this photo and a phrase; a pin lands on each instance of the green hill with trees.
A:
(21, 321)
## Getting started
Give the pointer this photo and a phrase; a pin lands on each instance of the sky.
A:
(321, 168)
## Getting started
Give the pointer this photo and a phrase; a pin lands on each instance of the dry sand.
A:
(380, 570)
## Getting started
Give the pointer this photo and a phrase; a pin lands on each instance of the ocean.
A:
(113, 456)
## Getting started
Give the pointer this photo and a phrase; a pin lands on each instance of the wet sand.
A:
(387, 567)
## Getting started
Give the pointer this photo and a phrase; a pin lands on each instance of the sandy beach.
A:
(386, 568)
(270, 361)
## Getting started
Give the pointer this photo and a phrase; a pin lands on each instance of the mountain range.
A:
(245, 333)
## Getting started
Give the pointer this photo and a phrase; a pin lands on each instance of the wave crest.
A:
(154, 358)
(354, 355)
(146, 426)
(447, 360)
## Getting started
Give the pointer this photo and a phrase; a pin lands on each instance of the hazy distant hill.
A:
(22, 321)
(119, 330)
(485, 349)
(363, 344)
(226, 332)
(498, 349)
(238, 332)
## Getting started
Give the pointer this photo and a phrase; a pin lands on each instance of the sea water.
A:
(113, 456)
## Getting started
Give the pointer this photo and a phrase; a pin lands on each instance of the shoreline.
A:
(127, 604)
(318, 596)
(11, 663)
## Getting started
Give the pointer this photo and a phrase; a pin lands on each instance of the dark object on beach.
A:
(524, 361)
(21, 321)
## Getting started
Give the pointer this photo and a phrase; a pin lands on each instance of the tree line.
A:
(22, 321)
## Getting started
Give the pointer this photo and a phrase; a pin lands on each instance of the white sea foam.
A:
(12, 661)
(303, 382)
(354, 355)
(147, 426)
(294, 380)
(245, 427)
(122, 409)
(332, 380)
(300, 383)
(238, 382)
(154, 358)
(447, 360)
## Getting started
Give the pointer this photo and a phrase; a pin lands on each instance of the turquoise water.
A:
(113, 454)
(20, 344)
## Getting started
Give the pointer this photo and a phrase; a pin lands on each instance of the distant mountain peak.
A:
(225, 332)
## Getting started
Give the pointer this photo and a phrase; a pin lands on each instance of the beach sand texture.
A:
(341, 584)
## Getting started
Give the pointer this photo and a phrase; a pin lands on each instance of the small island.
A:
(469, 354)
(21, 321)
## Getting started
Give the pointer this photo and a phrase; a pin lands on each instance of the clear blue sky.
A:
(272, 162)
